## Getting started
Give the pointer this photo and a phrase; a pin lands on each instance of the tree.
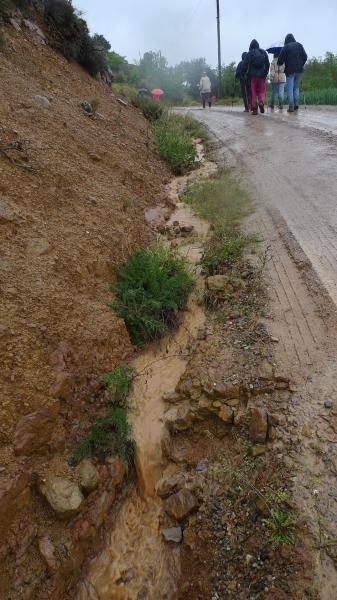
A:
(188, 73)
(230, 85)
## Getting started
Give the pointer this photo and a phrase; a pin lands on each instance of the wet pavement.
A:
(289, 162)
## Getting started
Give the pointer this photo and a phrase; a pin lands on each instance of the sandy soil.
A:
(73, 191)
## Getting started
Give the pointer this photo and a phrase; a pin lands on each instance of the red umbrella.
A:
(156, 93)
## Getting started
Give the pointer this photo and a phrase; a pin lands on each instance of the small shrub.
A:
(110, 435)
(70, 35)
(222, 251)
(117, 384)
(8, 6)
(280, 525)
(150, 290)
(152, 111)
(175, 143)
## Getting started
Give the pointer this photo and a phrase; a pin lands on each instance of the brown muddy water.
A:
(136, 562)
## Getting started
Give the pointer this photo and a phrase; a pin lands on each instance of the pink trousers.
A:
(258, 90)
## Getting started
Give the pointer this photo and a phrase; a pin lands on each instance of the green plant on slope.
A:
(150, 290)
(117, 384)
(108, 435)
(175, 142)
(281, 525)
(151, 110)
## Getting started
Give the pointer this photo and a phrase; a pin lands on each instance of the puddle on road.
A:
(137, 563)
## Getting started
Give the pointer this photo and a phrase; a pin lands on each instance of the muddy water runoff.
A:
(136, 563)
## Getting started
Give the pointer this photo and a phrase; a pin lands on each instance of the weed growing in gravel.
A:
(222, 251)
(150, 290)
(117, 384)
(280, 524)
(108, 435)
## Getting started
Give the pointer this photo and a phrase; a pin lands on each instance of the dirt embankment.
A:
(73, 190)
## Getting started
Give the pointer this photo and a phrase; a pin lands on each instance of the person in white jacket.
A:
(278, 81)
(205, 88)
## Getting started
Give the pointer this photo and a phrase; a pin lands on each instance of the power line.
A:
(194, 12)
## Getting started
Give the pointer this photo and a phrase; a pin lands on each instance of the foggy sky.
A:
(185, 29)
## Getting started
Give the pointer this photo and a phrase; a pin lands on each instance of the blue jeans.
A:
(277, 87)
(293, 88)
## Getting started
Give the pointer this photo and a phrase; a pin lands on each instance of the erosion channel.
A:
(233, 417)
(137, 563)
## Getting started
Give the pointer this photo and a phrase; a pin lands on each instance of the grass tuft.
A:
(117, 384)
(150, 290)
(174, 135)
(219, 200)
(110, 435)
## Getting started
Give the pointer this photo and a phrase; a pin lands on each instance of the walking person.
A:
(244, 83)
(278, 81)
(205, 88)
(256, 65)
(294, 57)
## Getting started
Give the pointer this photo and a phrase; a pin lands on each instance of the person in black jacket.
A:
(256, 65)
(244, 83)
(294, 57)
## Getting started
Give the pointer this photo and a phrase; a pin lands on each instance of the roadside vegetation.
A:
(117, 384)
(175, 143)
(222, 202)
(318, 97)
(175, 134)
(110, 435)
(150, 290)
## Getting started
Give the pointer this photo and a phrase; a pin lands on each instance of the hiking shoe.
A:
(261, 107)
(291, 109)
(280, 106)
(296, 107)
(254, 111)
(271, 105)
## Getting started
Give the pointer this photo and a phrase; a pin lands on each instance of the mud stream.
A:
(136, 562)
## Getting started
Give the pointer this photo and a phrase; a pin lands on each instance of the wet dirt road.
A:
(290, 162)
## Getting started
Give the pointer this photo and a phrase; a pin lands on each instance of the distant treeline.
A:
(319, 84)
(69, 33)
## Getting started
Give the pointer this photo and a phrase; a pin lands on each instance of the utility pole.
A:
(219, 48)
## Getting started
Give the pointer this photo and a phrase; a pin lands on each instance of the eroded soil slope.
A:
(73, 189)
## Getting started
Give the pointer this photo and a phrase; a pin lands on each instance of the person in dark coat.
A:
(244, 83)
(294, 57)
(256, 65)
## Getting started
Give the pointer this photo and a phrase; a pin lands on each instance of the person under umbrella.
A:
(278, 81)
(156, 94)
(294, 57)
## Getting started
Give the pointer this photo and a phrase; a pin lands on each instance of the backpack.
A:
(257, 60)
